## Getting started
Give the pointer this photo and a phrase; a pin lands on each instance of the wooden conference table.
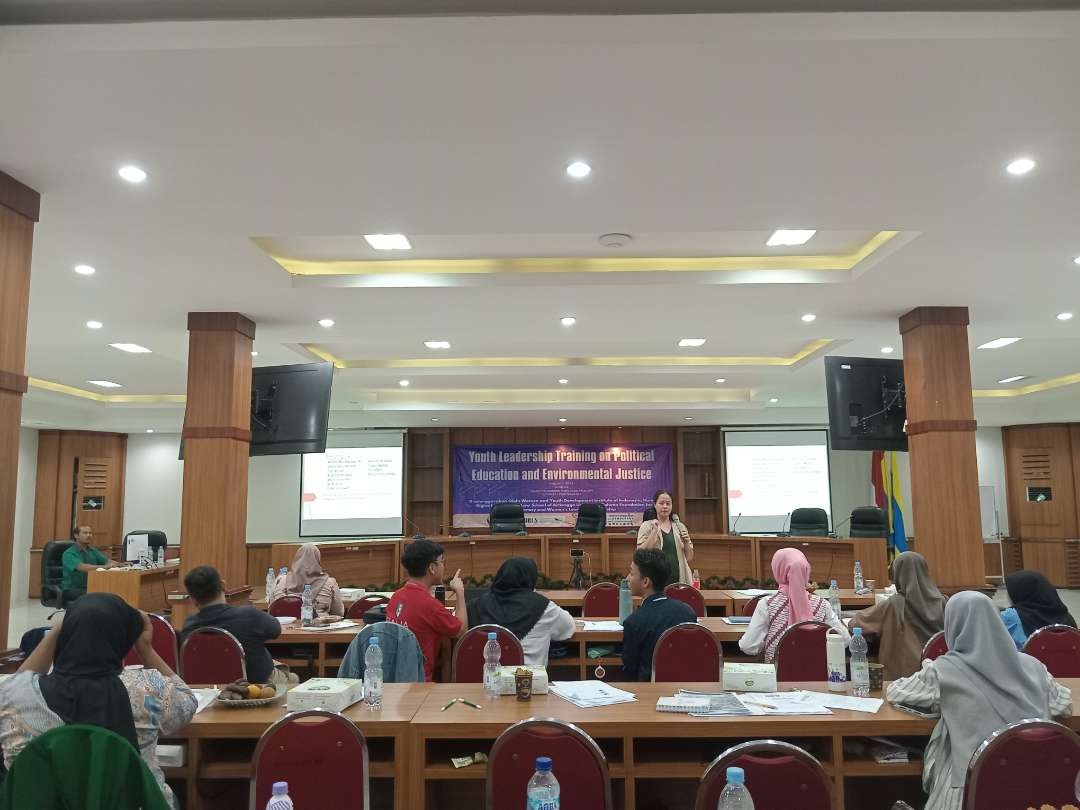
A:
(650, 754)
(147, 589)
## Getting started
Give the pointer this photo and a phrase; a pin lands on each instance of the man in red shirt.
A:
(413, 606)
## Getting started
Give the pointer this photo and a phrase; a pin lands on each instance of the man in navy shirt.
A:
(649, 573)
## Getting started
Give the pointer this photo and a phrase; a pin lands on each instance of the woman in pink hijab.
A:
(790, 605)
(307, 570)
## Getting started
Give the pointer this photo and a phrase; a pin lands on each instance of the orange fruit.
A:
(254, 691)
(267, 692)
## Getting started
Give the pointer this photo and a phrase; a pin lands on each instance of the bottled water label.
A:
(541, 803)
(860, 672)
(280, 803)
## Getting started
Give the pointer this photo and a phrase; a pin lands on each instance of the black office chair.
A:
(507, 518)
(868, 521)
(648, 514)
(809, 522)
(52, 573)
(591, 519)
(155, 540)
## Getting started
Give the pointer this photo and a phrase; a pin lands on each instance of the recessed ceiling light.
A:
(579, 169)
(563, 381)
(568, 320)
(105, 383)
(388, 241)
(997, 343)
(149, 430)
(786, 237)
(1064, 316)
(688, 419)
(434, 419)
(1020, 166)
(562, 418)
(403, 383)
(437, 344)
(133, 174)
(774, 400)
(326, 323)
(84, 270)
(808, 317)
(1076, 260)
(691, 343)
(131, 348)
(1016, 378)
(720, 380)
(887, 350)
(94, 324)
(254, 354)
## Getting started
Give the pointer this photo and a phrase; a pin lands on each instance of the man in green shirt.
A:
(79, 559)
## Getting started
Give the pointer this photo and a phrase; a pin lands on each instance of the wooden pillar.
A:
(217, 435)
(19, 207)
(941, 443)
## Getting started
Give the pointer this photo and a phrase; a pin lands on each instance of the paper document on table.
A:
(608, 626)
(782, 703)
(754, 592)
(589, 694)
(853, 704)
(205, 697)
(322, 628)
(721, 704)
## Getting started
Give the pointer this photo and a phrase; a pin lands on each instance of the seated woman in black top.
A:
(649, 574)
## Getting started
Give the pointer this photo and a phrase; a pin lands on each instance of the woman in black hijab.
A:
(1036, 604)
(512, 601)
(84, 685)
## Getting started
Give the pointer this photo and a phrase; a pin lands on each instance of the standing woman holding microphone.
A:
(668, 534)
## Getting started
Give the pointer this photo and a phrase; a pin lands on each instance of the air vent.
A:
(1035, 465)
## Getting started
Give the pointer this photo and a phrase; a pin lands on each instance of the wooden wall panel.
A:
(48, 462)
(1041, 456)
(992, 559)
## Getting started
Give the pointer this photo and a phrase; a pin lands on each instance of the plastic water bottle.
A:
(161, 556)
(284, 572)
(735, 796)
(373, 675)
(834, 597)
(859, 584)
(307, 608)
(860, 669)
(492, 659)
(542, 792)
(269, 583)
(279, 799)
(626, 600)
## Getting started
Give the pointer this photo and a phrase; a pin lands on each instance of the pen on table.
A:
(448, 705)
(762, 704)
(470, 703)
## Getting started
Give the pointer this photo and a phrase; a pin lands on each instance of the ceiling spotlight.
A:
(84, 270)
(131, 348)
(563, 381)
(720, 380)
(1076, 260)
(133, 174)
(1020, 166)
(326, 323)
(403, 383)
(997, 343)
(688, 419)
(437, 344)
(254, 354)
(1064, 316)
(105, 383)
(579, 169)
(887, 349)
(562, 418)
(388, 241)
(692, 343)
(1016, 378)
(434, 419)
(774, 400)
(808, 317)
(784, 237)
(149, 430)
(94, 324)
(568, 320)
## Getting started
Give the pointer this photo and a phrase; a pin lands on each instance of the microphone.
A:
(836, 529)
(419, 532)
(738, 517)
(784, 524)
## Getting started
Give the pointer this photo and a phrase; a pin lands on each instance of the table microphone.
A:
(738, 517)
(784, 524)
(836, 529)
(419, 532)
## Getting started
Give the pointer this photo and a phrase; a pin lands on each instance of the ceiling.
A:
(266, 139)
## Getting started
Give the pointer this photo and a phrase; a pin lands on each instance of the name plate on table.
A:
(740, 677)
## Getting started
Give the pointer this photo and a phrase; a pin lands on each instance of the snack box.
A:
(740, 677)
(334, 694)
(508, 687)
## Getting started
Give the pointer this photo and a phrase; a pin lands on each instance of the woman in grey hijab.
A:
(982, 684)
(905, 621)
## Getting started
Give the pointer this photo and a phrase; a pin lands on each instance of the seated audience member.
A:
(78, 560)
(413, 606)
(251, 626)
(790, 605)
(649, 573)
(307, 570)
(513, 602)
(89, 685)
(982, 684)
(1035, 604)
(905, 621)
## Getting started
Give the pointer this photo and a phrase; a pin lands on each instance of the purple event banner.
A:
(551, 480)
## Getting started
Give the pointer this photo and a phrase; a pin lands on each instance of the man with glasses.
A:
(414, 607)
(78, 560)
